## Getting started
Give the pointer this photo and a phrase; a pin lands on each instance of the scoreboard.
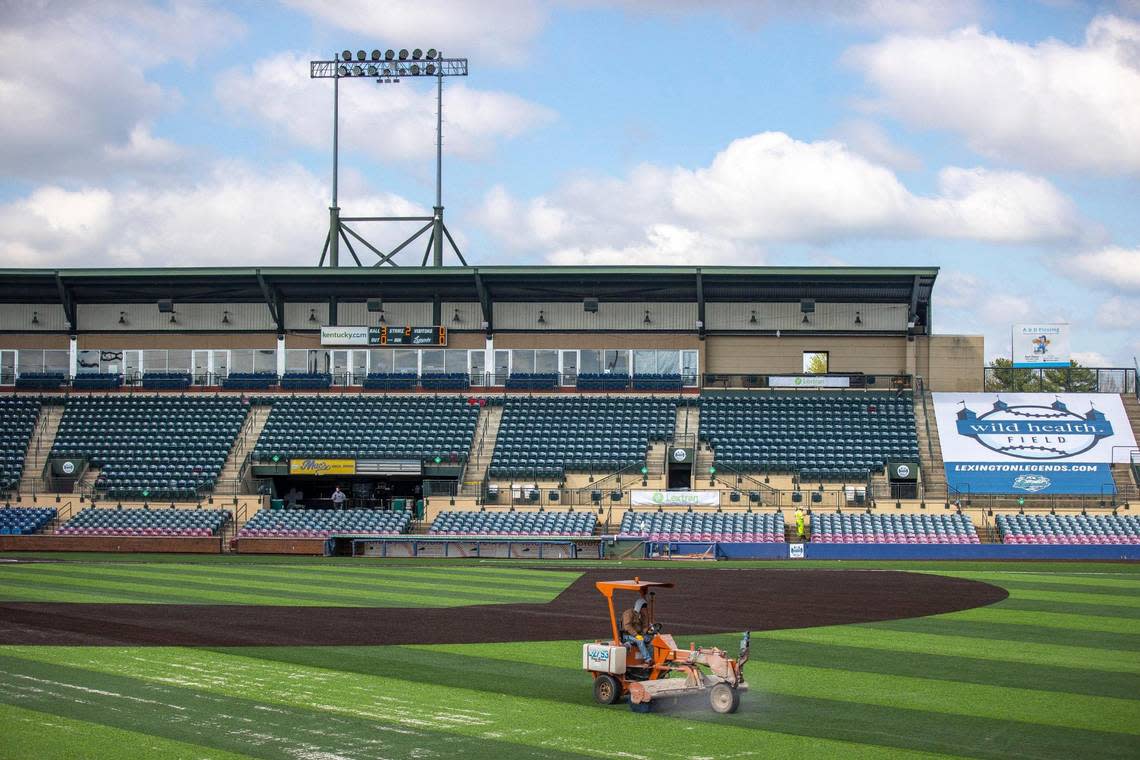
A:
(407, 336)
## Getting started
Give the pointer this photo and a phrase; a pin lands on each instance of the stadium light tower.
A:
(389, 67)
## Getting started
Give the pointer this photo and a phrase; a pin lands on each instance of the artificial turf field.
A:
(1051, 671)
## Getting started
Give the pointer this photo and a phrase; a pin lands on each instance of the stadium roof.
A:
(912, 285)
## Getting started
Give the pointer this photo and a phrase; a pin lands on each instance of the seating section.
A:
(657, 382)
(735, 527)
(249, 381)
(17, 521)
(322, 523)
(96, 381)
(445, 381)
(543, 437)
(165, 447)
(532, 381)
(592, 381)
(306, 381)
(391, 381)
(166, 381)
(838, 436)
(94, 521)
(17, 423)
(859, 528)
(43, 381)
(1068, 529)
(380, 427)
(514, 524)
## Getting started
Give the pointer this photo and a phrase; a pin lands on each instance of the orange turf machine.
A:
(618, 670)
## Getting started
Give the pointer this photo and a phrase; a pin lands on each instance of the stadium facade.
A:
(716, 326)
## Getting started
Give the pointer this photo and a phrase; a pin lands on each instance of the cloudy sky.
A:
(999, 141)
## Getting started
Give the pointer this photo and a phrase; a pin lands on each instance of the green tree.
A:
(1003, 377)
(817, 364)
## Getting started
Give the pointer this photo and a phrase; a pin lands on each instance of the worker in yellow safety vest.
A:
(800, 524)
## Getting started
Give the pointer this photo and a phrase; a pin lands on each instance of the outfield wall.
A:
(892, 551)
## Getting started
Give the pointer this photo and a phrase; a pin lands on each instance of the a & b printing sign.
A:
(1032, 442)
(1041, 345)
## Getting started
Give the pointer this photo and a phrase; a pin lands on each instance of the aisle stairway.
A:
(933, 468)
(246, 439)
(39, 448)
(1122, 475)
(482, 449)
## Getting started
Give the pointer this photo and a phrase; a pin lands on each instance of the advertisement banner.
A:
(902, 470)
(1041, 345)
(344, 336)
(322, 466)
(674, 498)
(1032, 442)
(809, 381)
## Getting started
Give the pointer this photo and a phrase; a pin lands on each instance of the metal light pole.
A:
(388, 68)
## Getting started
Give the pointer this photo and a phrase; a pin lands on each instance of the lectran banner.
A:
(674, 498)
(1032, 442)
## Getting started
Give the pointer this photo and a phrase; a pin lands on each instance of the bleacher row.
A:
(93, 521)
(1068, 529)
(321, 523)
(542, 437)
(703, 526)
(368, 427)
(834, 436)
(859, 528)
(154, 446)
(17, 423)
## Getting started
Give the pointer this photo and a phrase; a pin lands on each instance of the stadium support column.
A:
(72, 354)
(334, 211)
(280, 355)
(437, 216)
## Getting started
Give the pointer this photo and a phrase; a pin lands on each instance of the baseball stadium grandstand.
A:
(321, 407)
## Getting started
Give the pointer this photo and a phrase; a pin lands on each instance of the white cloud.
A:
(1091, 359)
(923, 15)
(770, 187)
(234, 215)
(94, 116)
(1047, 106)
(1118, 313)
(1114, 267)
(390, 121)
(872, 141)
(494, 31)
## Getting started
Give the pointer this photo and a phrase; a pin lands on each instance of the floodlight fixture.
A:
(387, 68)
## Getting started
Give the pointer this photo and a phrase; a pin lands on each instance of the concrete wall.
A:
(951, 362)
(770, 355)
(53, 543)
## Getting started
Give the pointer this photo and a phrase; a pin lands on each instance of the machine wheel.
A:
(723, 698)
(606, 690)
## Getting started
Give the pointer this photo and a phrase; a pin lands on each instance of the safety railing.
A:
(809, 382)
(1008, 379)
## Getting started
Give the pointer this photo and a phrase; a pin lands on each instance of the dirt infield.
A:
(704, 601)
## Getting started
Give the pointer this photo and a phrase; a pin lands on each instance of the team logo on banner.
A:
(1035, 432)
(1032, 483)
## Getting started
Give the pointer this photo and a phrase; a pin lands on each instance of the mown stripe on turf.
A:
(1122, 581)
(35, 735)
(1090, 658)
(1067, 620)
(1069, 597)
(1071, 588)
(932, 665)
(290, 591)
(442, 720)
(1074, 608)
(233, 723)
(1014, 632)
(843, 717)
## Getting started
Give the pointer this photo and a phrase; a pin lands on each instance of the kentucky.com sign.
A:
(1032, 442)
